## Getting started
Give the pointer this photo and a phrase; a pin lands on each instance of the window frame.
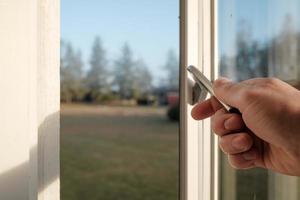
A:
(199, 154)
(200, 160)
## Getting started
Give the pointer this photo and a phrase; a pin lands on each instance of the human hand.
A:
(267, 134)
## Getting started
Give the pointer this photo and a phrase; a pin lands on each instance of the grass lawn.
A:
(118, 153)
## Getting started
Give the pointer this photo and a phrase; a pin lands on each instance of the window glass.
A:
(119, 94)
(258, 38)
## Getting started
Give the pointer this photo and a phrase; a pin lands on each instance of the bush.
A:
(174, 113)
(97, 97)
(145, 101)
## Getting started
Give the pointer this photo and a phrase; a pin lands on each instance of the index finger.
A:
(206, 109)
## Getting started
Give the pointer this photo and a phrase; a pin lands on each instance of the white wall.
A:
(29, 99)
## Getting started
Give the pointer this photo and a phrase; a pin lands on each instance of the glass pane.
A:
(258, 38)
(119, 94)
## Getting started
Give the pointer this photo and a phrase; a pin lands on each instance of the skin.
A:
(267, 133)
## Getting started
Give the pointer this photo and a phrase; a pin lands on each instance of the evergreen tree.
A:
(124, 73)
(71, 75)
(143, 79)
(97, 76)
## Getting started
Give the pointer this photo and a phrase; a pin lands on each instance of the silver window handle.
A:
(199, 86)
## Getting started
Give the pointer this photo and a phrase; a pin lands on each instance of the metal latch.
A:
(196, 92)
(199, 86)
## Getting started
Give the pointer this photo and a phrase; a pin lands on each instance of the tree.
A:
(71, 74)
(172, 68)
(252, 56)
(143, 79)
(124, 73)
(244, 51)
(97, 76)
(284, 48)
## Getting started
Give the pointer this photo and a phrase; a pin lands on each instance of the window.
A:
(240, 40)
(258, 39)
(119, 94)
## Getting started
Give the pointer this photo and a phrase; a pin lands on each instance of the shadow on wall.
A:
(48, 155)
(21, 180)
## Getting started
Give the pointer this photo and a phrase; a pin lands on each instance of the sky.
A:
(151, 27)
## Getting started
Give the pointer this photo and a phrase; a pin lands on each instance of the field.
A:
(118, 153)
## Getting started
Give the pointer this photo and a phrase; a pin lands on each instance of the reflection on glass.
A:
(119, 94)
(258, 38)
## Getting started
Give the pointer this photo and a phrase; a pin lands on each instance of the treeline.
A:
(278, 56)
(124, 78)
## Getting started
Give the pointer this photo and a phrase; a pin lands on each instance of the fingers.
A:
(224, 122)
(245, 160)
(236, 143)
(243, 150)
(206, 109)
(241, 147)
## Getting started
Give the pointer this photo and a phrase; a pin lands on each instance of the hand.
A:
(267, 134)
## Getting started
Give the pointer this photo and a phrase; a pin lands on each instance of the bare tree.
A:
(284, 51)
(172, 68)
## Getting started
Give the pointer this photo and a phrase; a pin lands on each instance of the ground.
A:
(118, 153)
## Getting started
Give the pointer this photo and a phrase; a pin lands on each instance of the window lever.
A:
(203, 86)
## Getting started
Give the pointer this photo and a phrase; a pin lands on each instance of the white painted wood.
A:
(193, 166)
(199, 142)
(29, 99)
(48, 93)
(215, 74)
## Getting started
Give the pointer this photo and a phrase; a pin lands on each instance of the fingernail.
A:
(249, 155)
(239, 143)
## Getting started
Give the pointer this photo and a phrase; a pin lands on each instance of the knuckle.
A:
(227, 146)
(246, 140)
(217, 83)
(271, 81)
(234, 162)
(217, 124)
(237, 163)
(268, 83)
(224, 147)
(249, 95)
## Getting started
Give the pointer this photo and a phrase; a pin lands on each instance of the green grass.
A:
(115, 157)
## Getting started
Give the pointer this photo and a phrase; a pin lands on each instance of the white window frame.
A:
(30, 103)
(29, 99)
(199, 152)
(200, 162)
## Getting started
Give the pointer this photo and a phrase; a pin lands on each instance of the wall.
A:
(29, 99)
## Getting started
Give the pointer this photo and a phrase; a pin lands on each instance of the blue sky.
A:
(151, 27)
